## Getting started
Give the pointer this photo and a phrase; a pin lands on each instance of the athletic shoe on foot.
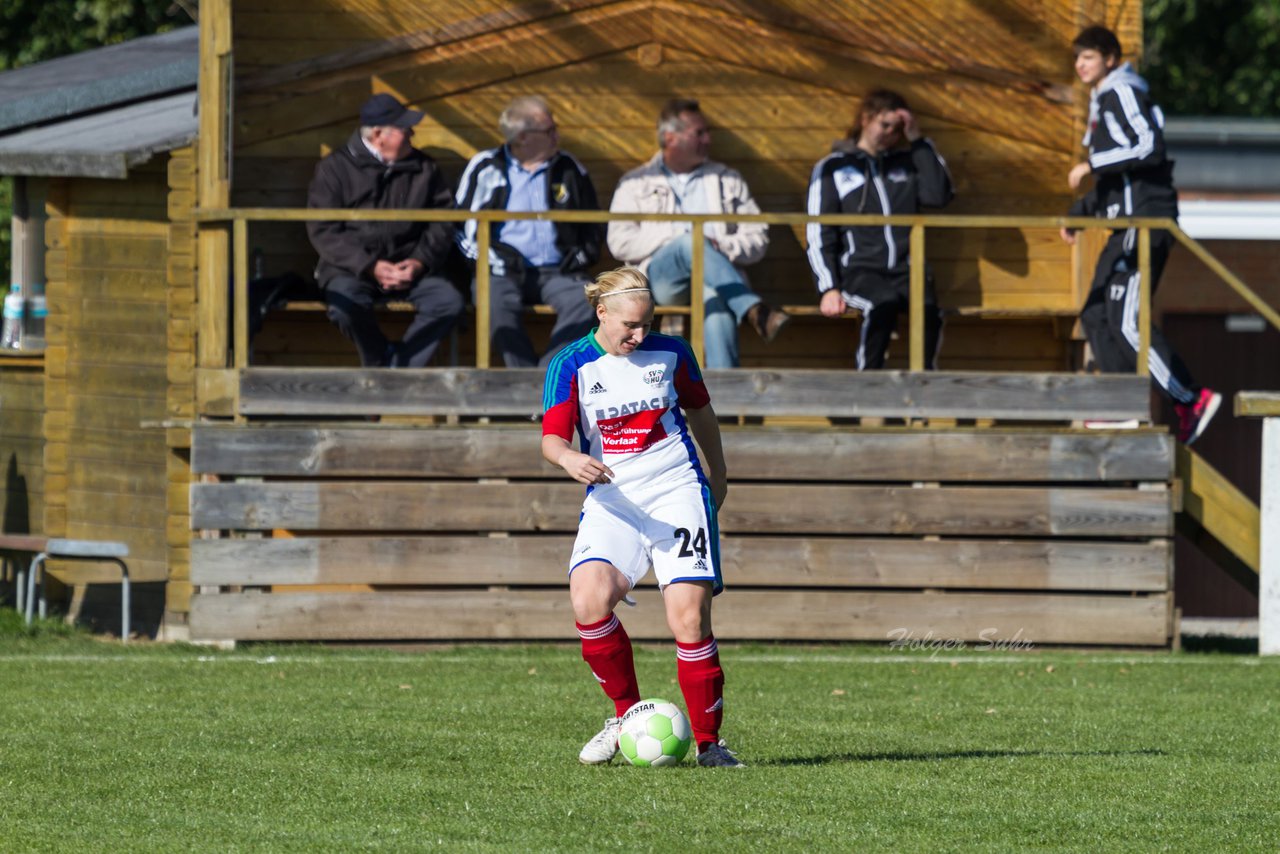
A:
(717, 755)
(1194, 417)
(602, 748)
(767, 321)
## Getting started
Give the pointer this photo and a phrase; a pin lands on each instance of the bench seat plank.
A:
(752, 453)
(761, 561)
(827, 615)
(742, 392)
(797, 509)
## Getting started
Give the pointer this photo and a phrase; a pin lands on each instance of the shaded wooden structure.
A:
(138, 418)
(779, 81)
(91, 138)
(830, 532)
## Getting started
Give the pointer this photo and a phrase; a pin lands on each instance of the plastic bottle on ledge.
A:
(33, 325)
(11, 336)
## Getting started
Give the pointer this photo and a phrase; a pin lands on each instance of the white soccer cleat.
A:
(604, 745)
(719, 756)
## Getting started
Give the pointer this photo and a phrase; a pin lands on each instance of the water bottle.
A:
(33, 327)
(11, 336)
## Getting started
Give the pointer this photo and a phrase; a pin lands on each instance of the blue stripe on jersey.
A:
(555, 387)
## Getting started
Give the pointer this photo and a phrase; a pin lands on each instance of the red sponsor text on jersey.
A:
(630, 434)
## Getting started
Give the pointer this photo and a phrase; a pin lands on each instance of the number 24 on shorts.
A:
(699, 542)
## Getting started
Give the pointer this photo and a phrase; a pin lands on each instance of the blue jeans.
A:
(727, 297)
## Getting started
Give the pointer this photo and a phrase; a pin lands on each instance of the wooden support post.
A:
(697, 308)
(483, 277)
(214, 180)
(240, 294)
(1269, 547)
(1144, 299)
(915, 307)
(1267, 405)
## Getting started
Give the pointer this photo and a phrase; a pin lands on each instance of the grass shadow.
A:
(940, 755)
(1220, 643)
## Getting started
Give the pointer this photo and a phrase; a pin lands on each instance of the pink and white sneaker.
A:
(1194, 417)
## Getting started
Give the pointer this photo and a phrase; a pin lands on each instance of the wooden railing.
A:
(213, 280)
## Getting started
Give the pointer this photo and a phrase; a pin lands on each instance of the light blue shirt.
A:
(533, 239)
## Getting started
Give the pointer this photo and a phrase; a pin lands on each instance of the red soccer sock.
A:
(606, 649)
(702, 683)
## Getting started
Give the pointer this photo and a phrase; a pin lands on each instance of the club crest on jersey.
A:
(655, 376)
(560, 193)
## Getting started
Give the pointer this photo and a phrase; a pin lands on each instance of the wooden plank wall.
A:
(992, 84)
(336, 533)
(106, 366)
(22, 449)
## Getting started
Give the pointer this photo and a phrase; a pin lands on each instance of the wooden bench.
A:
(42, 549)
(831, 532)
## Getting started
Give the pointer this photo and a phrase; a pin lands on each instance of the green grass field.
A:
(168, 748)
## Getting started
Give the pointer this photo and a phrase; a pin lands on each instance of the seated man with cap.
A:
(364, 263)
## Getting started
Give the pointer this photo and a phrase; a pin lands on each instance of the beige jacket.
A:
(645, 190)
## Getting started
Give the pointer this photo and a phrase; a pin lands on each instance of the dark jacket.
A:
(351, 177)
(1125, 138)
(849, 180)
(484, 186)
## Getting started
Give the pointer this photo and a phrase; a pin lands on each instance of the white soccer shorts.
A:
(676, 533)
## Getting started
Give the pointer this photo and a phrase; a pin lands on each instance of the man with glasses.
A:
(364, 263)
(532, 261)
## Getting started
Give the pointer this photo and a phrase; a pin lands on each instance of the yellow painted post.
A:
(1144, 299)
(915, 308)
(213, 180)
(697, 309)
(240, 292)
(482, 294)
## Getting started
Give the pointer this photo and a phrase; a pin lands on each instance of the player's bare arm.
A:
(581, 467)
(706, 432)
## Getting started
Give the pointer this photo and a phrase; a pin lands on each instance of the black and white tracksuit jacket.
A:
(484, 187)
(849, 180)
(1125, 138)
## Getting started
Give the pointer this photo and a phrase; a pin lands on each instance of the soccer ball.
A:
(654, 732)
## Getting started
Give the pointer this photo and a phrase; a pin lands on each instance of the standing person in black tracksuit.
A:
(885, 166)
(364, 263)
(532, 261)
(1132, 177)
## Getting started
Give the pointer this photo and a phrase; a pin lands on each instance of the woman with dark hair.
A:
(884, 166)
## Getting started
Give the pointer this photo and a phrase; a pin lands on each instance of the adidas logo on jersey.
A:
(596, 388)
(700, 565)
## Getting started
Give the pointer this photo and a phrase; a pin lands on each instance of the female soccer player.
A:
(633, 397)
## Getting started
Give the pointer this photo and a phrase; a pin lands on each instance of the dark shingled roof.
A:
(99, 112)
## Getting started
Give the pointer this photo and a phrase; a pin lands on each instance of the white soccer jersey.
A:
(626, 410)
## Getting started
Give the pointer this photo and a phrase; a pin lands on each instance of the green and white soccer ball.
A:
(654, 732)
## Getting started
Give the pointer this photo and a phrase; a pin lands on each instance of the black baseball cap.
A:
(382, 110)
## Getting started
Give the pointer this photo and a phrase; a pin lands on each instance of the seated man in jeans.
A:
(364, 263)
(532, 261)
(681, 179)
